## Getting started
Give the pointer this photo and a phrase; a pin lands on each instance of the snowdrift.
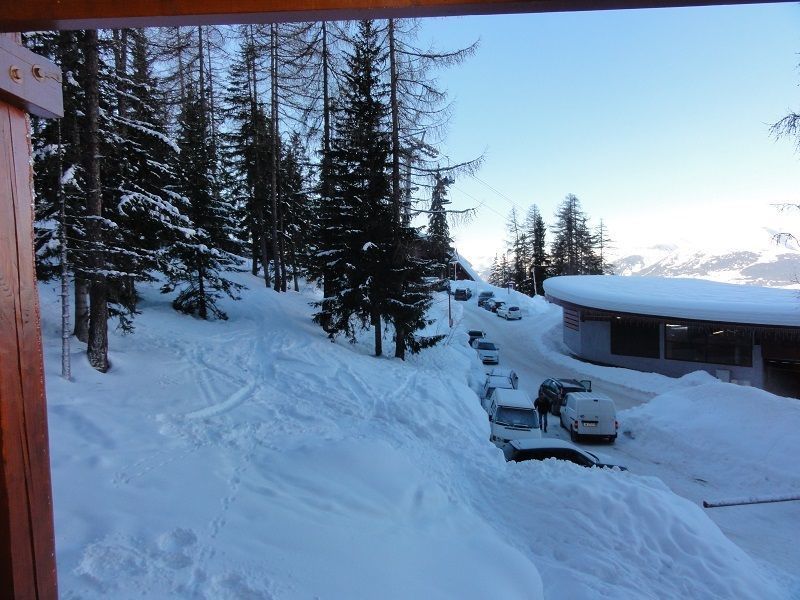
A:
(255, 459)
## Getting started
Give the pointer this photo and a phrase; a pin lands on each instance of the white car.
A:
(509, 313)
(488, 352)
(511, 374)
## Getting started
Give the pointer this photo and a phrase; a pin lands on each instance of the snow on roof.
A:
(695, 299)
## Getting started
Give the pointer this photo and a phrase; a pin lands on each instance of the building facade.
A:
(740, 334)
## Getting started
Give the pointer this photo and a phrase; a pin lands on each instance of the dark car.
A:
(461, 294)
(556, 390)
(483, 297)
(497, 304)
(544, 448)
(475, 334)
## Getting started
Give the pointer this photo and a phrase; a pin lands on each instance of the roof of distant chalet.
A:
(691, 299)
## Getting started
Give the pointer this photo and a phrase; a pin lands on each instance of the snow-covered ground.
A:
(255, 459)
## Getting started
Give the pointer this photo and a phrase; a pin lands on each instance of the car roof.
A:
(590, 396)
(570, 382)
(513, 398)
(543, 444)
(502, 372)
(497, 379)
(471, 331)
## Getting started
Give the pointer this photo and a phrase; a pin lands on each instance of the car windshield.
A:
(517, 417)
(486, 346)
(476, 333)
(514, 308)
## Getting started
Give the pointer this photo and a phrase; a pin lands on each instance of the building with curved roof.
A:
(743, 334)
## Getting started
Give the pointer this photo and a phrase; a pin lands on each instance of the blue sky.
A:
(656, 119)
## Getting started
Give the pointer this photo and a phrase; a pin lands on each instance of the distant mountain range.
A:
(775, 265)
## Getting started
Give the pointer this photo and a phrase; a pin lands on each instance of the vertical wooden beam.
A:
(27, 546)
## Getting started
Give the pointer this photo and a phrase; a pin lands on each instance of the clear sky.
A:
(656, 119)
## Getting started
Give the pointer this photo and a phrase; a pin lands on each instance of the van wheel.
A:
(612, 439)
(572, 435)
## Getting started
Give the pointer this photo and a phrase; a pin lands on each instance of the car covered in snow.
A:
(544, 448)
(475, 334)
(509, 313)
(484, 297)
(488, 352)
(512, 417)
(589, 414)
(505, 372)
(555, 390)
(492, 383)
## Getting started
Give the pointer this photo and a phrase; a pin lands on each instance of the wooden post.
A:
(27, 544)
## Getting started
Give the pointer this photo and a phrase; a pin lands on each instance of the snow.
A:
(253, 458)
(679, 298)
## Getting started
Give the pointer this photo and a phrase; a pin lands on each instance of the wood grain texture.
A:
(38, 90)
(27, 549)
(28, 15)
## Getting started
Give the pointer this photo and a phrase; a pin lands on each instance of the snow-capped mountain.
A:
(773, 264)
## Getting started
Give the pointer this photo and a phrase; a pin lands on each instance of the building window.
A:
(631, 338)
(571, 319)
(715, 345)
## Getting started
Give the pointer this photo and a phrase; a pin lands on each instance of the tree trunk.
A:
(399, 325)
(97, 350)
(66, 365)
(376, 324)
(254, 254)
(276, 151)
(202, 308)
(327, 285)
(81, 309)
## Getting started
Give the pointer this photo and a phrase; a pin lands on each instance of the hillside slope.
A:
(255, 459)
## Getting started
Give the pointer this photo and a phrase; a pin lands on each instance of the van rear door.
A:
(596, 416)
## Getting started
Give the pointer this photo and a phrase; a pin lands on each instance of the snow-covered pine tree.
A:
(359, 242)
(139, 175)
(196, 265)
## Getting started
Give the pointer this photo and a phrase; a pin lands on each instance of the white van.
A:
(512, 417)
(589, 414)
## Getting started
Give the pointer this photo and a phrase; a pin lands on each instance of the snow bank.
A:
(736, 432)
(255, 459)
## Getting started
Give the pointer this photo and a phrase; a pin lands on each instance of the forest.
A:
(298, 151)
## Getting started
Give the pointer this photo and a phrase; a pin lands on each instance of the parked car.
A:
(460, 294)
(484, 296)
(491, 384)
(475, 334)
(509, 313)
(555, 390)
(544, 448)
(512, 417)
(488, 352)
(505, 372)
(590, 414)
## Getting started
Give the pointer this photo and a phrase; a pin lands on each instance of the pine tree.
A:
(248, 152)
(439, 240)
(196, 264)
(535, 233)
(358, 244)
(573, 249)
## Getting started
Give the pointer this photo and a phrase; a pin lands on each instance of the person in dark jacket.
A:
(542, 406)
